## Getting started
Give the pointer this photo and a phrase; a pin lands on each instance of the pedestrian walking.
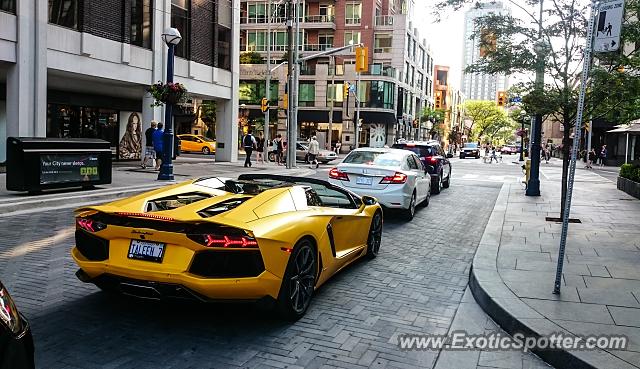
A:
(158, 144)
(591, 157)
(338, 146)
(314, 150)
(603, 155)
(279, 149)
(493, 155)
(260, 149)
(249, 144)
(149, 152)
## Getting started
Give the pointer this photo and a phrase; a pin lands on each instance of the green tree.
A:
(207, 113)
(251, 57)
(485, 117)
(511, 48)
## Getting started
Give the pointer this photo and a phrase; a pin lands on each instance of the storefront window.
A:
(63, 13)
(306, 93)
(180, 19)
(8, 6)
(67, 121)
(140, 34)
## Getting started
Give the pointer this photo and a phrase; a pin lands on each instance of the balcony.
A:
(319, 22)
(316, 47)
(384, 21)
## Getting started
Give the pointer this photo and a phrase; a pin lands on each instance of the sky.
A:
(445, 38)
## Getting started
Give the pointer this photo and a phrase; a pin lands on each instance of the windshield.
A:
(470, 145)
(383, 159)
(205, 139)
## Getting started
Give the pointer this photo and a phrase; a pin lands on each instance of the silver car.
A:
(396, 178)
(324, 156)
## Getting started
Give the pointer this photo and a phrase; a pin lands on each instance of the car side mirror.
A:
(368, 200)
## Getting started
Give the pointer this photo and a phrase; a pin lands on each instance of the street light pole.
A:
(171, 37)
(291, 153)
(357, 125)
(332, 64)
(533, 187)
(267, 93)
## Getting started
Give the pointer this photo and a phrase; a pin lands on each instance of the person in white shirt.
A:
(314, 150)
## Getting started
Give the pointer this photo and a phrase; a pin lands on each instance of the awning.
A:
(318, 116)
(377, 117)
(631, 128)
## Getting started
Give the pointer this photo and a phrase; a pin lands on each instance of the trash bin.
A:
(36, 164)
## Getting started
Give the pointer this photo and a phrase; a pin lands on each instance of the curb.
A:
(511, 313)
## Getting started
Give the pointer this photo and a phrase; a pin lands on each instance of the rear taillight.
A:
(90, 225)
(223, 241)
(335, 173)
(397, 178)
(432, 160)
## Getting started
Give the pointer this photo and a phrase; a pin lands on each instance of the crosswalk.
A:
(488, 178)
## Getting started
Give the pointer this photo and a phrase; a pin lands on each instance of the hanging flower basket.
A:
(521, 132)
(168, 93)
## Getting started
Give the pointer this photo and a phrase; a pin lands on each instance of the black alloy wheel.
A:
(437, 185)
(375, 236)
(299, 281)
(205, 150)
(272, 156)
(445, 184)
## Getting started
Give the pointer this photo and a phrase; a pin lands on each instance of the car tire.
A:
(409, 213)
(272, 156)
(477, 156)
(445, 184)
(299, 281)
(461, 156)
(375, 236)
(206, 151)
(437, 186)
(427, 200)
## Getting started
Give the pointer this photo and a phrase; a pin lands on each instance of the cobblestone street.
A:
(414, 286)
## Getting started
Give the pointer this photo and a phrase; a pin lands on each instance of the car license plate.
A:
(364, 181)
(145, 250)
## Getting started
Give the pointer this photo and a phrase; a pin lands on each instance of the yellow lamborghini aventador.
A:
(258, 237)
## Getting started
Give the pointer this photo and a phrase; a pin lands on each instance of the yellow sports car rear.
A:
(260, 237)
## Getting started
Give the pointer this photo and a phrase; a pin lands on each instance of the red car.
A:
(509, 149)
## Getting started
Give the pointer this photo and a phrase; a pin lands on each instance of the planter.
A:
(629, 186)
(172, 97)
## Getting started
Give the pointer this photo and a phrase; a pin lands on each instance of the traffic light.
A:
(438, 99)
(264, 104)
(362, 59)
(502, 98)
(345, 89)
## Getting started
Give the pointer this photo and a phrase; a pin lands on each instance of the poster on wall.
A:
(130, 144)
(377, 136)
(62, 168)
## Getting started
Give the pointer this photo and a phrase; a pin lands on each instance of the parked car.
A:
(216, 239)
(302, 154)
(509, 149)
(434, 159)
(396, 178)
(197, 143)
(16, 341)
(470, 149)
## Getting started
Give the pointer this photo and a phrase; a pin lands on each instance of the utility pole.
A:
(332, 68)
(291, 146)
(267, 118)
(357, 125)
(533, 187)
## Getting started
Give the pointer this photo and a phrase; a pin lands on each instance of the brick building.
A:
(393, 92)
(80, 68)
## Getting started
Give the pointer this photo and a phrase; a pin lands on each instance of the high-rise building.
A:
(480, 86)
(393, 91)
(81, 69)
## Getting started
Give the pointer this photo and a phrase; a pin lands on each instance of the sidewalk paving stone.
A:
(601, 278)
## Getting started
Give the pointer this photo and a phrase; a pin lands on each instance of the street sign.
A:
(607, 33)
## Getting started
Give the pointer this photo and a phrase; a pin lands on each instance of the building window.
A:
(353, 13)
(307, 93)
(351, 37)
(251, 92)
(335, 93)
(382, 43)
(256, 13)
(8, 6)
(325, 40)
(64, 13)
(378, 94)
(140, 34)
(327, 11)
(180, 19)
(279, 41)
(224, 48)
(256, 41)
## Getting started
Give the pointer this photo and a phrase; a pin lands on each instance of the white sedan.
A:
(396, 178)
